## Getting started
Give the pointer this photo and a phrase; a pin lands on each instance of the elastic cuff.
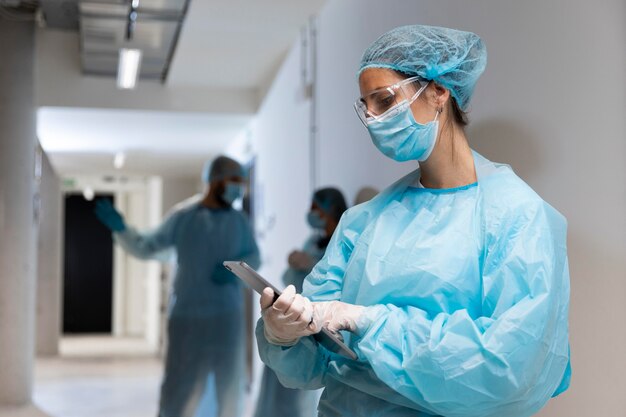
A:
(278, 342)
(365, 320)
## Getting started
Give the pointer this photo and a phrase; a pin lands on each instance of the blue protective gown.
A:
(206, 324)
(275, 400)
(467, 291)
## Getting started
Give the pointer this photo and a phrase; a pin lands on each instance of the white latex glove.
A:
(300, 260)
(288, 319)
(335, 316)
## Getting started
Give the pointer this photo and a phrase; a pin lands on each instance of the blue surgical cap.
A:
(220, 168)
(452, 58)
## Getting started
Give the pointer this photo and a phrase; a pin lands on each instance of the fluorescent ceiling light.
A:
(128, 69)
(88, 193)
(119, 160)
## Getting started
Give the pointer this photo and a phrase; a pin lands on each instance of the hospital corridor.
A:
(323, 208)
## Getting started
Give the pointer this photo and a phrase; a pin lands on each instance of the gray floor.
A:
(102, 377)
(98, 377)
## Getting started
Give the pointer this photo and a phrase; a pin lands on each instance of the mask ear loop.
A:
(439, 111)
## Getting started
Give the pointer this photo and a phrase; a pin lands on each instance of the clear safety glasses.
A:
(386, 102)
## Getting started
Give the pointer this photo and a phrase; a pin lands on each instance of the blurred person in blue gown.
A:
(206, 341)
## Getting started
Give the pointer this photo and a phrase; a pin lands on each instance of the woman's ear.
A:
(440, 95)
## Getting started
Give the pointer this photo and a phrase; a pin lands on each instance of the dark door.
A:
(88, 281)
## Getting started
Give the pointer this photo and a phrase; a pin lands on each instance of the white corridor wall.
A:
(280, 135)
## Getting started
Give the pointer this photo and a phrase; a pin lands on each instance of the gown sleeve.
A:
(152, 244)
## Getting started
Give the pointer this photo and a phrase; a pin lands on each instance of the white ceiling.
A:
(225, 46)
(84, 141)
(237, 43)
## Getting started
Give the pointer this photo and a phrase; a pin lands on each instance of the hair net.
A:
(331, 201)
(221, 167)
(451, 58)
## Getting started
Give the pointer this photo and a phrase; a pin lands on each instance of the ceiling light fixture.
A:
(119, 160)
(130, 58)
(128, 68)
(88, 193)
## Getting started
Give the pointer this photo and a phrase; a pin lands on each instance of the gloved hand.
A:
(109, 216)
(288, 318)
(335, 316)
(300, 260)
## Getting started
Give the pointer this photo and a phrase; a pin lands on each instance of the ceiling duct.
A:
(10, 3)
(18, 10)
(152, 26)
(107, 26)
(60, 14)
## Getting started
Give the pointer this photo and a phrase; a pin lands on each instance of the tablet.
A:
(258, 284)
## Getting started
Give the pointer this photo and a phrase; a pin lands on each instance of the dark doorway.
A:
(88, 280)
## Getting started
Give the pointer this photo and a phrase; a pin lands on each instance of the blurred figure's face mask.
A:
(315, 220)
(233, 191)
